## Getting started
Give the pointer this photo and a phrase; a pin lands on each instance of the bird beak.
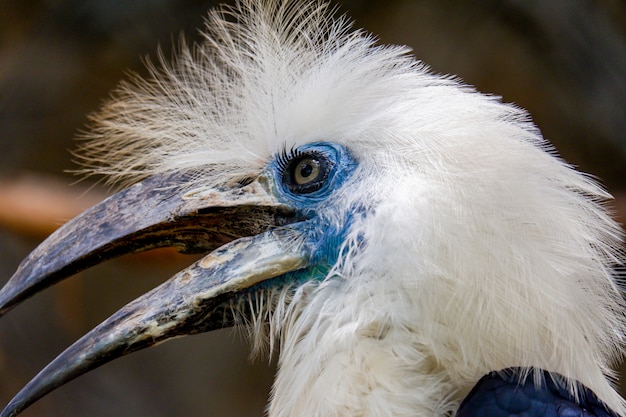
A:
(247, 225)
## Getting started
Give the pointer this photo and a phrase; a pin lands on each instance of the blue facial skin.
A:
(341, 165)
(323, 237)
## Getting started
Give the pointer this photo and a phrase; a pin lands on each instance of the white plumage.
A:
(483, 250)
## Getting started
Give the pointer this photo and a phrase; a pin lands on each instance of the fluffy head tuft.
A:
(267, 75)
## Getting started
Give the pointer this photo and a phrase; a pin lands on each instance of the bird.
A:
(408, 245)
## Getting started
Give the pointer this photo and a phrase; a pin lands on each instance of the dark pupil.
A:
(305, 169)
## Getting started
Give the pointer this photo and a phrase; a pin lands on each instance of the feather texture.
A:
(478, 249)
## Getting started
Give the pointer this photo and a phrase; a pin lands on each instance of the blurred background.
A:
(563, 60)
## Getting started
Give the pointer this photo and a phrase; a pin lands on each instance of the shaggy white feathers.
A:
(266, 75)
(483, 250)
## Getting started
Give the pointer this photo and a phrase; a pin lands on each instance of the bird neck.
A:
(362, 348)
(338, 361)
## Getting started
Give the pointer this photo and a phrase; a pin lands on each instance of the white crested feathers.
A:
(482, 249)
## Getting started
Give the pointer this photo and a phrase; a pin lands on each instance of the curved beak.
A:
(247, 225)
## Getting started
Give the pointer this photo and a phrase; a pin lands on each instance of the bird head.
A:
(397, 233)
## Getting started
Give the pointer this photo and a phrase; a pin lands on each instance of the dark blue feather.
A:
(505, 394)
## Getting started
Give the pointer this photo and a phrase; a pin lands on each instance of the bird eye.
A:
(306, 173)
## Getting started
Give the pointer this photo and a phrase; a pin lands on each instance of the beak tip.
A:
(6, 301)
(16, 290)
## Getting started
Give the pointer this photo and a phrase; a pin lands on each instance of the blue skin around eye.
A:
(323, 237)
(343, 166)
(502, 394)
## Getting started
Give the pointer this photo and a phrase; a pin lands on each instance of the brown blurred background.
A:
(563, 60)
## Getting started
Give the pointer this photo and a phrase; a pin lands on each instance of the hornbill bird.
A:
(410, 246)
